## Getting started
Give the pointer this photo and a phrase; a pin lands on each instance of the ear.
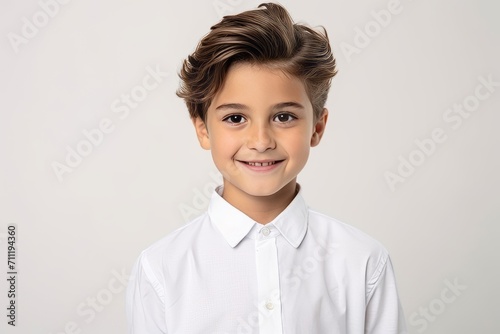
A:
(319, 128)
(201, 132)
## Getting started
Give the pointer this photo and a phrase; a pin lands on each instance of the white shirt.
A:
(224, 273)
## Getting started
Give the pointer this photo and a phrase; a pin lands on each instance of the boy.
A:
(259, 260)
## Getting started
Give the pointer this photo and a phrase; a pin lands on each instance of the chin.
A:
(255, 190)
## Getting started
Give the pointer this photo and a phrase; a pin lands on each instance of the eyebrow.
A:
(239, 106)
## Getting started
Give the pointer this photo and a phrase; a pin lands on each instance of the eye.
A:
(234, 119)
(284, 118)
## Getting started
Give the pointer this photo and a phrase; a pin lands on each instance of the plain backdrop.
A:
(67, 69)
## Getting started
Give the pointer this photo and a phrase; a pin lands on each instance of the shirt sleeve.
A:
(145, 300)
(384, 314)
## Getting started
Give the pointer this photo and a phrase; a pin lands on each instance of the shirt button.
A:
(269, 305)
(265, 231)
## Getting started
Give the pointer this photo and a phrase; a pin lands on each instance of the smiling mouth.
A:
(261, 164)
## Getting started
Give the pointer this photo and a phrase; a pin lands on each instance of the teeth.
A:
(261, 164)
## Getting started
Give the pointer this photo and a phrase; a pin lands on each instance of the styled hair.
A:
(264, 36)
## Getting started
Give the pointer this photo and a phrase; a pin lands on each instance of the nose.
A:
(260, 138)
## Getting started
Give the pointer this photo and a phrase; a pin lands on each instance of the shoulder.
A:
(177, 242)
(348, 242)
(342, 232)
(163, 258)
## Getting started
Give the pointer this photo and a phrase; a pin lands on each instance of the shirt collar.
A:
(234, 225)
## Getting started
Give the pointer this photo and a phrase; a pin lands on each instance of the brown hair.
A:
(265, 36)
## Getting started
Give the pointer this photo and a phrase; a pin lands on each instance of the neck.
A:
(262, 209)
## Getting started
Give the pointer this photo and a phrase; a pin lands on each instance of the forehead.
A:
(260, 86)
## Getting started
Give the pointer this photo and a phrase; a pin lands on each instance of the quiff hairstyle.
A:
(264, 36)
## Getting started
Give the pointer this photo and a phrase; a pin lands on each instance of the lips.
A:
(261, 166)
(261, 163)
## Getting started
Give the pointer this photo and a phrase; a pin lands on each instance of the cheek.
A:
(225, 143)
(298, 148)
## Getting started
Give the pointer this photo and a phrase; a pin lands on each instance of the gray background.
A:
(149, 175)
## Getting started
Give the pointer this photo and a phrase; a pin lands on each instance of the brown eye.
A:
(234, 119)
(284, 118)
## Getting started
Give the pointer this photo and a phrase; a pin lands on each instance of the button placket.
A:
(270, 321)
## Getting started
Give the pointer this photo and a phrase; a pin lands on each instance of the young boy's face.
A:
(259, 128)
